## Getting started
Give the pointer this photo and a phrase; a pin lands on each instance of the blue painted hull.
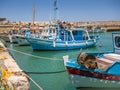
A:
(42, 44)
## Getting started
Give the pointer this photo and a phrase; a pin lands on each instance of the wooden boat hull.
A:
(42, 44)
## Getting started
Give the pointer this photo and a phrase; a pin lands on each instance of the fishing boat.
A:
(20, 38)
(9, 37)
(101, 70)
(5, 37)
(12, 38)
(64, 39)
(21, 41)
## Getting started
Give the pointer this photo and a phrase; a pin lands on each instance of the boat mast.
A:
(56, 16)
(34, 10)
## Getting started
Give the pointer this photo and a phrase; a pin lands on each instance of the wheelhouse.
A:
(73, 35)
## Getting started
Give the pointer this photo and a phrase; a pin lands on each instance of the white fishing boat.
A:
(9, 37)
(20, 37)
(5, 37)
(21, 41)
(12, 38)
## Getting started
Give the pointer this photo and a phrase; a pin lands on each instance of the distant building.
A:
(3, 19)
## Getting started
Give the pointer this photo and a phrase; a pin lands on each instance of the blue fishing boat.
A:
(64, 39)
(96, 69)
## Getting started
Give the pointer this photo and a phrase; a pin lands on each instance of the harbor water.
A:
(47, 69)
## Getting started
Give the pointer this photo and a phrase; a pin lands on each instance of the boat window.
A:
(78, 35)
(117, 41)
(75, 32)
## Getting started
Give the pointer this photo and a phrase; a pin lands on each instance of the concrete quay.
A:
(106, 25)
(11, 76)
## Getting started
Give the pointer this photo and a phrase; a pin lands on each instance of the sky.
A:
(69, 10)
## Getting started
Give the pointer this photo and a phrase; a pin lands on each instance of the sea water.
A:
(47, 64)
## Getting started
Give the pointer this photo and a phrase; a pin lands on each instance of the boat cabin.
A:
(73, 35)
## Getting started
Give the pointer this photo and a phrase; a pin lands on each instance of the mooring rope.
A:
(60, 71)
(45, 72)
(33, 55)
(35, 82)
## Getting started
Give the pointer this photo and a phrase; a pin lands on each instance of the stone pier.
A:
(11, 76)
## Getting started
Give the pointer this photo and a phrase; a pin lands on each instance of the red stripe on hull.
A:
(93, 74)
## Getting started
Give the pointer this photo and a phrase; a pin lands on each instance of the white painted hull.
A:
(5, 38)
(82, 81)
(12, 39)
(21, 40)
